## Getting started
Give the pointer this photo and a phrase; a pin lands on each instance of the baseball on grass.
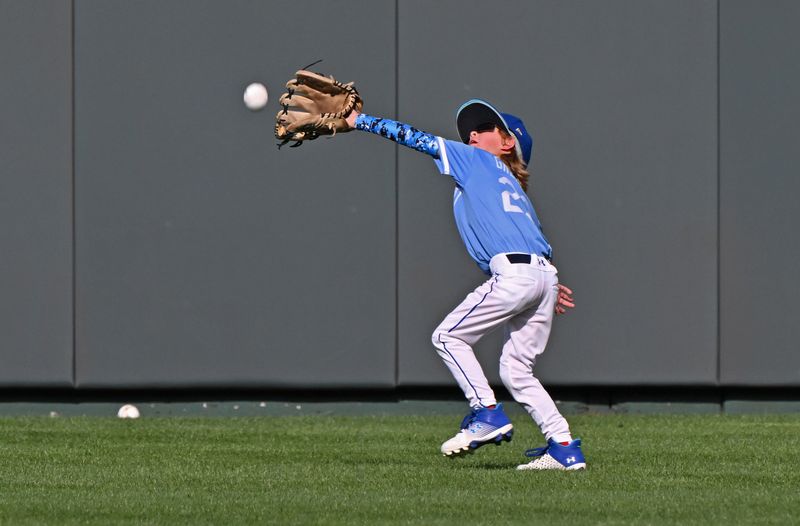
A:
(128, 411)
(255, 96)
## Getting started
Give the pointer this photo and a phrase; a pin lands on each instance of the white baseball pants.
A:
(521, 298)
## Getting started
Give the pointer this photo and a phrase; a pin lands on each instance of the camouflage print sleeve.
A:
(400, 133)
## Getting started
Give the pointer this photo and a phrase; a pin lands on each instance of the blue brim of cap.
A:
(475, 112)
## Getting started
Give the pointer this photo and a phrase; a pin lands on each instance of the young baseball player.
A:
(502, 233)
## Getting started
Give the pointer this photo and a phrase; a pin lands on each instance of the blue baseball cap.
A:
(475, 112)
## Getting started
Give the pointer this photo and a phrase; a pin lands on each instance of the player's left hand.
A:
(565, 300)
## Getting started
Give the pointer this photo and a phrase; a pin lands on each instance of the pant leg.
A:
(526, 336)
(483, 310)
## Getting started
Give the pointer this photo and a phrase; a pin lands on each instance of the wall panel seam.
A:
(74, 290)
(719, 202)
(396, 197)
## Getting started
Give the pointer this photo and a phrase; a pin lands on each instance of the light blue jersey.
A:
(493, 214)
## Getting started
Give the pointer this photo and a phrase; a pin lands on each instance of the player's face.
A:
(487, 137)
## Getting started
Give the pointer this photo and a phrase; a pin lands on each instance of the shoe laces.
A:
(470, 418)
(537, 451)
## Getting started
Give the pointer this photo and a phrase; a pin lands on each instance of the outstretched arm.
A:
(396, 131)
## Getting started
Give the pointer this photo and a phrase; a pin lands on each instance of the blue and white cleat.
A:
(482, 426)
(556, 456)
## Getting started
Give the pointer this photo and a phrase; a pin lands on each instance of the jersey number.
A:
(508, 196)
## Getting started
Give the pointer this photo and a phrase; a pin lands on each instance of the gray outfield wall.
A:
(153, 236)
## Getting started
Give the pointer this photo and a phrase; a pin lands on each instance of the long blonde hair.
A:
(514, 163)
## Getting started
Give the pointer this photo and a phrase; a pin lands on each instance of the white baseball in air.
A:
(255, 96)
(128, 411)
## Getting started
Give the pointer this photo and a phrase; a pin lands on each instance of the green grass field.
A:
(387, 470)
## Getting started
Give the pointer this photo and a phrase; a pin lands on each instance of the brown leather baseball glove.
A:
(314, 105)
